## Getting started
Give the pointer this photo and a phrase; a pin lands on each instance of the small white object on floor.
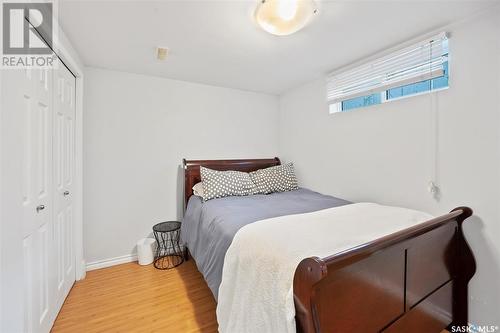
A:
(145, 251)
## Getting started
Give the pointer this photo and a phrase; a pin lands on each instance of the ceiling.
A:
(217, 43)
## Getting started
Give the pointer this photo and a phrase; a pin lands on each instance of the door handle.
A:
(39, 208)
(65, 193)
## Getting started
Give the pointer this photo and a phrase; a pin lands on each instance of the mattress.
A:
(208, 228)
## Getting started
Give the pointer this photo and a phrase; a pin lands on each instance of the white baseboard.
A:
(111, 262)
(82, 271)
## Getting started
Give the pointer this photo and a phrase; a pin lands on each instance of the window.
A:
(417, 69)
(359, 102)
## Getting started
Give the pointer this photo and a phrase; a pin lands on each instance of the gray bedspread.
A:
(208, 228)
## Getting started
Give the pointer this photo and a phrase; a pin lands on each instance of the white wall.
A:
(383, 153)
(137, 129)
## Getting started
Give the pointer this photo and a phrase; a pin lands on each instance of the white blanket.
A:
(256, 293)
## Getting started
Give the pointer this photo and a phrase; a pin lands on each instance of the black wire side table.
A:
(168, 251)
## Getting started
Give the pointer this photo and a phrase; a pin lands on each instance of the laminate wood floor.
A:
(131, 298)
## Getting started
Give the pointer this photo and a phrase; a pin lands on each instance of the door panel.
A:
(41, 139)
(58, 146)
(43, 273)
(35, 94)
(58, 241)
(64, 158)
(70, 149)
(27, 151)
(68, 250)
(28, 284)
(45, 99)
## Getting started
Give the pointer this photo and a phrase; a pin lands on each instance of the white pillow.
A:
(198, 189)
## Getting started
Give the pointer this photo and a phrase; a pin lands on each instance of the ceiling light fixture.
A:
(284, 17)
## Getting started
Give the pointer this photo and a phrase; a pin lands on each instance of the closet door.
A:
(64, 170)
(35, 103)
(46, 100)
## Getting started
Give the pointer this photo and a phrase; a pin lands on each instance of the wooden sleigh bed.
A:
(414, 280)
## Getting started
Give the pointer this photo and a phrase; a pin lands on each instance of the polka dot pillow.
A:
(280, 178)
(219, 184)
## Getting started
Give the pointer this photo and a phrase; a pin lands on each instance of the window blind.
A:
(418, 62)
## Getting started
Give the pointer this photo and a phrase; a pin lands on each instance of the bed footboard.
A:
(414, 280)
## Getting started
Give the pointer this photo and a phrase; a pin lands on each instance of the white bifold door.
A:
(64, 172)
(46, 98)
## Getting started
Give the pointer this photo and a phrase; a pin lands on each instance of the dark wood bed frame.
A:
(414, 280)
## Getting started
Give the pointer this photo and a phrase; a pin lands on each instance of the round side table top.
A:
(167, 226)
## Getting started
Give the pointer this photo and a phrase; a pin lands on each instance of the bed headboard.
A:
(192, 169)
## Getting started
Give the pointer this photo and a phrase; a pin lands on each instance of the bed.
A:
(413, 280)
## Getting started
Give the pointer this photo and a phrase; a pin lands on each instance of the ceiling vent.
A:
(161, 53)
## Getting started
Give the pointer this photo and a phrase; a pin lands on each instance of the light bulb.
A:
(287, 9)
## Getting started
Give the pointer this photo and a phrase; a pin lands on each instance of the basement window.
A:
(414, 70)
